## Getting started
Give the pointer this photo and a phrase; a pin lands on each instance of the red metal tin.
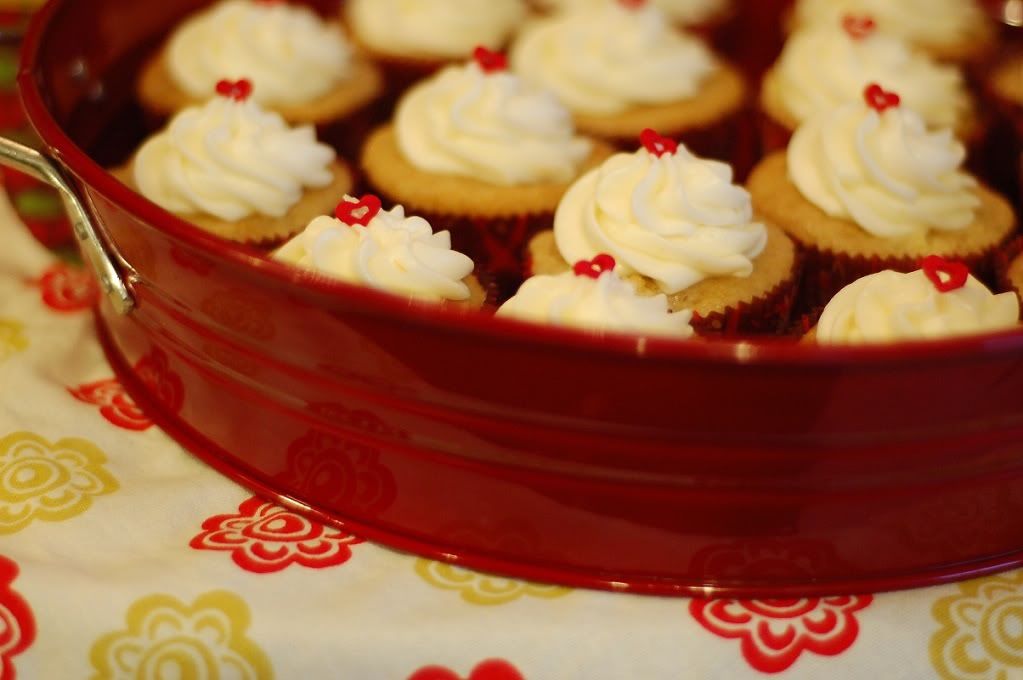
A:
(753, 468)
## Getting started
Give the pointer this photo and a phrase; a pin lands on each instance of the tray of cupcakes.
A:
(673, 296)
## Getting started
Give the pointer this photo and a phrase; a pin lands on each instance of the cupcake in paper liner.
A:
(622, 67)
(593, 297)
(949, 30)
(823, 66)
(677, 225)
(238, 171)
(410, 39)
(478, 151)
(867, 186)
(939, 300)
(387, 250)
(301, 66)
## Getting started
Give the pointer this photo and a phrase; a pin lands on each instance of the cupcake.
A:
(676, 225)
(867, 186)
(386, 250)
(828, 64)
(476, 150)
(622, 67)
(939, 300)
(301, 66)
(950, 30)
(238, 171)
(592, 296)
(411, 39)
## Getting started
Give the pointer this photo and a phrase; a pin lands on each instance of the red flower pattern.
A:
(774, 633)
(17, 625)
(264, 538)
(68, 289)
(491, 669)
(114, 404)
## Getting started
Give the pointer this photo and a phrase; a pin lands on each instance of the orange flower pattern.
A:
(482, 589)
(167, 638)
(981, 634)
(48, 482)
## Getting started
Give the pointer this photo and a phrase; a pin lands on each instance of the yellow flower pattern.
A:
(12, 338)
(48, 482)
(482, 589)
(167, 638)
(981, 635)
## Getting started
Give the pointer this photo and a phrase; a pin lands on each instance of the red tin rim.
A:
(732, 351)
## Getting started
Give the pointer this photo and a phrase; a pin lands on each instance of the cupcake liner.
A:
(767, 314)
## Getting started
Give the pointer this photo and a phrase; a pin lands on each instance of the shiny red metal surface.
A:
(729, 467)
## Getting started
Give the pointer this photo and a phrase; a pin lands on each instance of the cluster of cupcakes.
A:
(581, 162)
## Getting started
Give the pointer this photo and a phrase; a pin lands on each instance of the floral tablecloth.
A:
(121, 556)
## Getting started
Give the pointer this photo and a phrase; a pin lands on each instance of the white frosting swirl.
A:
(675, 218)
(929, 22)
(686, 12)
(434, 28)
(885, 172)
(607, 60)
(890, 306)
(493, 127)
(823, 67)
(287, 51)
(607, 303)
(392, 252)
(231, 159)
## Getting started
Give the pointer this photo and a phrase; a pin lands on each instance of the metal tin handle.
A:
(32, 162)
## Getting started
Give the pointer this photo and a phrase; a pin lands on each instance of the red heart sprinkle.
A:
(879, 99)
(946, 275)
(238, 90)
(632, 4)
(490, 62)
(358, 212)
(858, 27)
(656, 144)
(595, 267)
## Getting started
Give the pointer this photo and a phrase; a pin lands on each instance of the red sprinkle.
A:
(858, 27)
(946, 275)
(490, 62)
(656, 144)
(238, 90)
(595, 267)
(632, 4)
(358, 212)
(879, 99)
